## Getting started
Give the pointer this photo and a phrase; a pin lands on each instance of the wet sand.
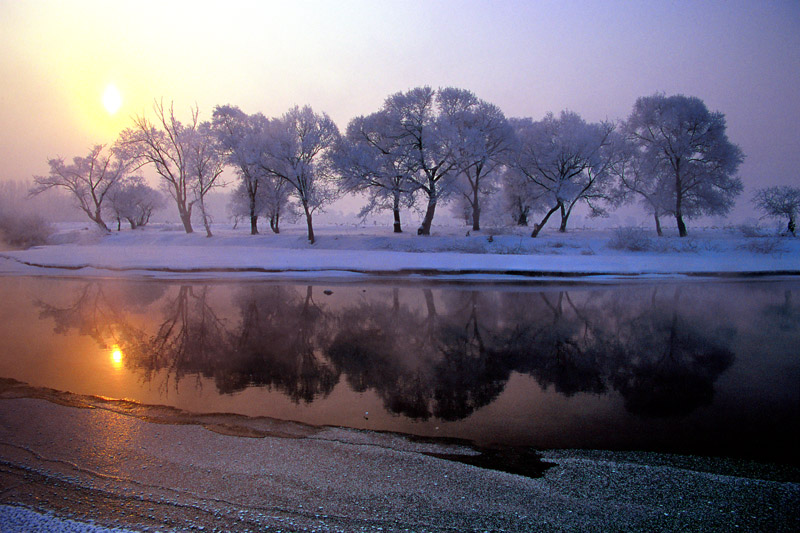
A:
(118, 464)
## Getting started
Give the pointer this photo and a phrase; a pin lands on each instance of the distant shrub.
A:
(764, 245)
(630, 238)
(750, 231)
(23, 230)
(20, 226)
(684, 245)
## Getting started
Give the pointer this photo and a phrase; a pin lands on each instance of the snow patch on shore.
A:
(341, 251)
(13, 518)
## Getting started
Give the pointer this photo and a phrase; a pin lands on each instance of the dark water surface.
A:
(710, 368)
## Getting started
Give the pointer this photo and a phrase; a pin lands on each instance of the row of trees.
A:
(425, 147)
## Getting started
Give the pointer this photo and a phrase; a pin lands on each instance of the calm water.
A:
(707, 368)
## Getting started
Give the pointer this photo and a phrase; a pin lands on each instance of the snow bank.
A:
(166, 251)
(13, 518)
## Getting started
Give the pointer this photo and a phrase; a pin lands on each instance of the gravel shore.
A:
(114, 465)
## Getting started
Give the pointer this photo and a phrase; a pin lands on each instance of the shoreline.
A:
(117, 464)
(347, 253)
(411, 275)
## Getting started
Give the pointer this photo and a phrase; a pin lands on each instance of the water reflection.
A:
(686, 368)
(430, 353)
(116, 357)
(278, 343)
(665, 362)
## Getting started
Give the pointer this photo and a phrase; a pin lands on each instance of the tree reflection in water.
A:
(665, 364)
(445, 354)
(277, 344)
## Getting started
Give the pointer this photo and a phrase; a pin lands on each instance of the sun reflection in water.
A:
(116, 357)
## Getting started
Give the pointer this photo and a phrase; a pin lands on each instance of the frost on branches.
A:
(565, 160)
(779, 202)
(88, 179)
(684, 148)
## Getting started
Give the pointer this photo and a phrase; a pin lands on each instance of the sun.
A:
(112, 99)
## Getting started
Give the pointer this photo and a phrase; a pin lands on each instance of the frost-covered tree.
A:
(687, 149)
(239, 206)
(481, 137)
(275, 196)
(636, 178)
(88, 179)
(272, 202)
(369, 159)
(425, 146)
(205, 166)
(566, 161)
(419, 142)
(135, 202)
(166, 145)
(242, 136)
(296, 152)
(518, 200)
(779, 202)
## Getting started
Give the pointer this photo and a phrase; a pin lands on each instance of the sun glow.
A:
(116, 357)
(112, 99)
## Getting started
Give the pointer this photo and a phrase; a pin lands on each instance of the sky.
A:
(345, 57)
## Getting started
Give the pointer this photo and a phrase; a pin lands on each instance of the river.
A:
(693, 367)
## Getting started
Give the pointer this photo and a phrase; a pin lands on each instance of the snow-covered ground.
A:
(347, 251)
(14, 518)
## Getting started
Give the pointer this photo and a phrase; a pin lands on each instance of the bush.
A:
(630, 238)
(766, 246)
(23, 230)
(750, 231)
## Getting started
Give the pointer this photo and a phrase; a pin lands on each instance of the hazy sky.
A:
(344, 57)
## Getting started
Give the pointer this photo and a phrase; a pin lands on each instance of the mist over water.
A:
(707, 368)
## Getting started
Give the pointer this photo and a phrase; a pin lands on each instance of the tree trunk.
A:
(792, 226)
(186, 218)
(97, 218)
(397, 227)
(476, 211)
(564, 218)
(678, 205)
(396, 211)
(681, 224)
(309, 223)
(658, 225)
(119, 224)
(538, 227)
(425, 228)
(253, 215)
(274, 222)
(522, 220)
(206, 224)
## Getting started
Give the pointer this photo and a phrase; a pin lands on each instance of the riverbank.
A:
(121, 465)
(343, 252)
